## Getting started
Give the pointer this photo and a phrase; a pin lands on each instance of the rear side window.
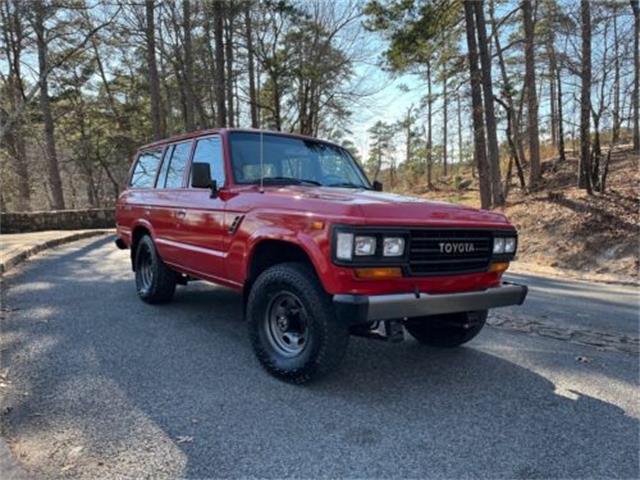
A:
(175, 163)
(144, 173)
(209, 150)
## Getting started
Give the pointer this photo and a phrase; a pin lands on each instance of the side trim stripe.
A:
(193, 248)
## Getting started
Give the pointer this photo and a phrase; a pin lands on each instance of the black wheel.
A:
(155, 282)
(447, 331)
(292, 324)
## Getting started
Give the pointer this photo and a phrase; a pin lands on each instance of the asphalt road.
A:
(100, 385)
(580, 305)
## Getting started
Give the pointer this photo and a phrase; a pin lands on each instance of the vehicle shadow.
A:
(174, 391)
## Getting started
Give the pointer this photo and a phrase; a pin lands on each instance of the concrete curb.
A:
(30, 252)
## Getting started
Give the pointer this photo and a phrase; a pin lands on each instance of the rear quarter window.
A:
(144, 172)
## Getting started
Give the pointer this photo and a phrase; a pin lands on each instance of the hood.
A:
(378, 208)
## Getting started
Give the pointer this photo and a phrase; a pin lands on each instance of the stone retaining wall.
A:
(57, 220)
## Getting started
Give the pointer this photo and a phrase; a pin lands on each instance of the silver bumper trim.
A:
(364, 308)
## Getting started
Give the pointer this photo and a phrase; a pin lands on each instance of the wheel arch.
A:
(268, 252)
(138, 231)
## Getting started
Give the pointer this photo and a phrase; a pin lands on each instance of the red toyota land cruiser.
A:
(318, 252)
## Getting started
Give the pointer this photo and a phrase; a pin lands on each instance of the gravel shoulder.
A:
(99, 384)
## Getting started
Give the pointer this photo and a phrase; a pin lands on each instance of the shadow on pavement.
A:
(175, 391)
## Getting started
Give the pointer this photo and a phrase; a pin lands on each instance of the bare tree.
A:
(219, 80)
(532, 97)
(53, 170)
(584, 176)
(188, 66)
(635, 5)
(253, 100)
(487, 87)
(11, 14)
(152, 67)
(477, 111)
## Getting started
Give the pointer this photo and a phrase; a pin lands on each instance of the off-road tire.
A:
(447, 331)
(155, 281)
(327, 338)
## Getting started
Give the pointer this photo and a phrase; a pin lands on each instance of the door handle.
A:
(181, 213)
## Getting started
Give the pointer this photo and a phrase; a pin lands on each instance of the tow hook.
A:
(387, 330)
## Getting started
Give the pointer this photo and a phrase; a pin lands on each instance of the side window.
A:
(209, 150)
(176, 160)
(144, 173)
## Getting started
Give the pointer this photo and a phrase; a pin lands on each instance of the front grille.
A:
(426, 257)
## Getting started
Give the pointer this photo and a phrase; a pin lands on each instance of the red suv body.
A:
(228, 205)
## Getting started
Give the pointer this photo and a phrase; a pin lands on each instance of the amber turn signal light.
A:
(499, 267)
(378, 273)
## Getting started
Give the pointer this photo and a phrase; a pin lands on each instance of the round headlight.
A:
(498, 245)
(393, 246)
(365, 246)
(510, 244)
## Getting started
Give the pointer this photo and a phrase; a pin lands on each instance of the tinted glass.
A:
(209, 150)
(292, 158)
(176, 166)
(144, 173)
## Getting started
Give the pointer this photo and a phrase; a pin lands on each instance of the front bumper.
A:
(355, 309)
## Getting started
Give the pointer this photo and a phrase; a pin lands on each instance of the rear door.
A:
(169, 202)
(139, 197)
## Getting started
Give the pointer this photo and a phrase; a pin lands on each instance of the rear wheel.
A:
(155, 282)
(451, 330)
(292, 324)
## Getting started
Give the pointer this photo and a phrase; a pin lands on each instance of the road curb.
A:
(45, 245)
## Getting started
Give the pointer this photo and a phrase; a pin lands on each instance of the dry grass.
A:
(562, 227)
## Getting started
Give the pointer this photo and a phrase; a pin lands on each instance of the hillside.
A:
(564, 229)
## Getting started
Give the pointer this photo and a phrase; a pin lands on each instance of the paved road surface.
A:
(576, 304)
(101, 385)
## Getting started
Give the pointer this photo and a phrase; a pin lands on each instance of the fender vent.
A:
(233, 228)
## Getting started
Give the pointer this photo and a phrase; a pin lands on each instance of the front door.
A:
(202, 225)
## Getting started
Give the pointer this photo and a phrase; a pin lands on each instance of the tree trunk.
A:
(635, 5)
(13, 38)
(152, 67)
(445, 120)
(489, 111)
(459, 108)
(253, 100)
(561, 151)
(532, 98)
(430, 126)
(53, 170)
(552, 105)
(556, 97)
(584, 177)
(512, 118)
(218, 32)
(229, 58)
(189, 122)
(615, 134)
(480, 148)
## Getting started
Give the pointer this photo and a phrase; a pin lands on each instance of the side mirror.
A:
(377, 186)
(201, 178)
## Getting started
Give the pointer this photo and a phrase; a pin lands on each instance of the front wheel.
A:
(292, 324)
(450, 330)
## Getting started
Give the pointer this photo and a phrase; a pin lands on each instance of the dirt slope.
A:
(563, 228)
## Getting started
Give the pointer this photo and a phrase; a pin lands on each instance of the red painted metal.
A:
(191, 230)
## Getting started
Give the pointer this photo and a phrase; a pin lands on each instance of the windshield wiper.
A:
(348, 185)
(289, 180)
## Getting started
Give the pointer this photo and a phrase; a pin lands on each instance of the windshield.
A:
(289, 160)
